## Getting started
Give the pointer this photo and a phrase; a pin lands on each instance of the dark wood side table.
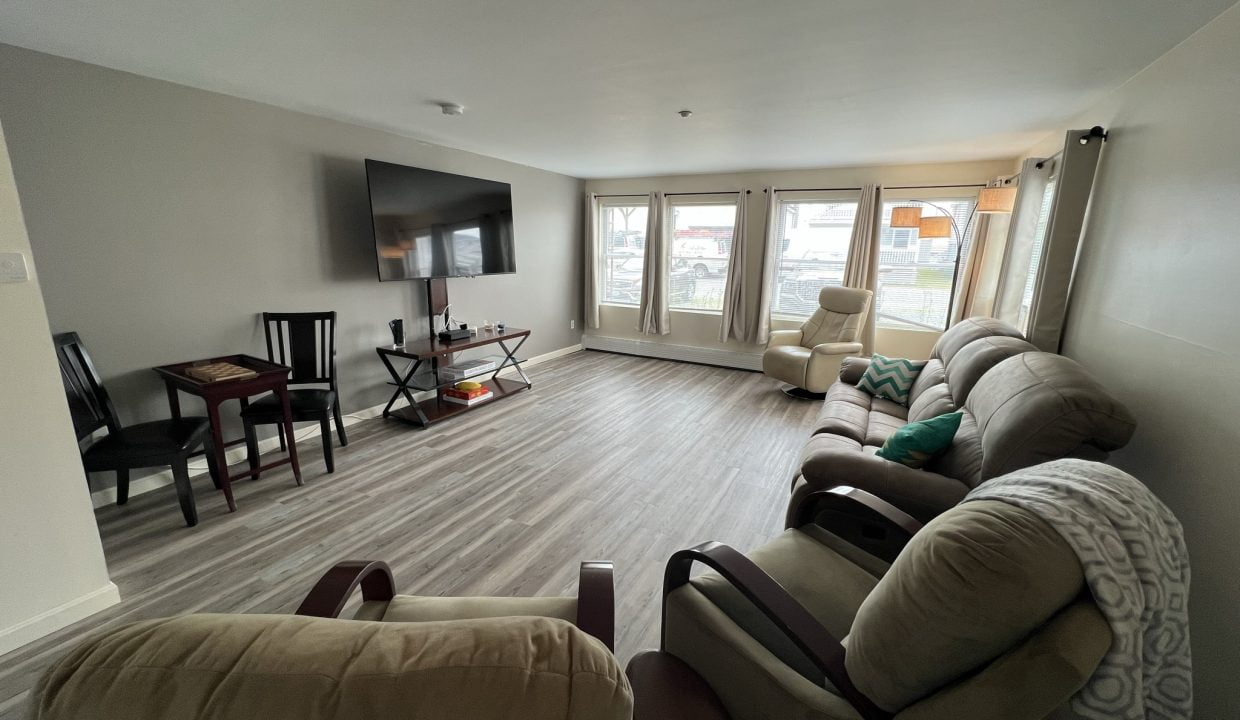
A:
(271, 378)
(421, 373)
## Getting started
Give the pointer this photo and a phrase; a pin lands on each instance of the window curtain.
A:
(971, 274)
(1023, 236)
(770, 252)
(861, 269)
(592, 256)
(735, 321)
(653, 316)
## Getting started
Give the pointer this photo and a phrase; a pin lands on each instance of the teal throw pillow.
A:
(916, 443)
(891, 378)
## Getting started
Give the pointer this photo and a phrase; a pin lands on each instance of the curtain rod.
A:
(893, 187)
(721, 192)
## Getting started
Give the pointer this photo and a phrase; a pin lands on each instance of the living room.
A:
(688, 186)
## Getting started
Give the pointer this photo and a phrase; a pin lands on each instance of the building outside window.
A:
(622, 231)
(915, 274)
(701, 231)
(813, 231)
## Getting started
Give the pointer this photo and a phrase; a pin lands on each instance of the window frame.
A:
(604, 203)
(802, 196)
(938, 195)
(671, 202)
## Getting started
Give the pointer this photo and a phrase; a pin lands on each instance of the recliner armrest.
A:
(853, 368)
(784, 337)
(860, 518)
(838, 348)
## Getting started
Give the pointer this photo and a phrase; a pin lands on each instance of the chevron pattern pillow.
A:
(891, 378)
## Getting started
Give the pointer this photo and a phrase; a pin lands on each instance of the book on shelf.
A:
(467, 368)
(469, 401)
(466, 394)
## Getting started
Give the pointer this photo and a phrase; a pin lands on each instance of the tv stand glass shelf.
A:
(421, 373)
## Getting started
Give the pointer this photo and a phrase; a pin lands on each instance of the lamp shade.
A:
(939, 226)
(996, 200)
(905, 217)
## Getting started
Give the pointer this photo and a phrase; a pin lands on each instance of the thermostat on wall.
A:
(13, 267)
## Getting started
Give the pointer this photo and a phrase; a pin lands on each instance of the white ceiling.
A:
(591, 88)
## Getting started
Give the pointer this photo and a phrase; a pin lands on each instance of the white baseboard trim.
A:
(49, 621)
(163, 478)
(668, 351)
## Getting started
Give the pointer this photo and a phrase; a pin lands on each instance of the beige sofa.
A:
(1020, 407)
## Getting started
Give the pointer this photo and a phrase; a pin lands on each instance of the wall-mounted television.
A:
(430, 224)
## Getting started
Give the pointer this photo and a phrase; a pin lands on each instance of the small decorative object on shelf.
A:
(467, 368)
(467, 393)
(219, 372)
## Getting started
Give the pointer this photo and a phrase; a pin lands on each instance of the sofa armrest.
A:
(771, 599)
(859, 518)
(853, 368)
(826, 463)
(838, 348)
(784, 337)
(596, 602)
(330, 594)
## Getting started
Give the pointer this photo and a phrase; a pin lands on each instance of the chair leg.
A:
(339, 423)
(251, 447)
(122, 486)
(280, 432)
(185, 492)
(325, 429)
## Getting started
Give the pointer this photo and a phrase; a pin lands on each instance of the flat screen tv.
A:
(430, 224)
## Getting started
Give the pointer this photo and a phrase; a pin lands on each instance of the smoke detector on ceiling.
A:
(685, 113)
(451, 108)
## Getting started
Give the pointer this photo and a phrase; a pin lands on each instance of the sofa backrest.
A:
(952, 382)
(951, 342)
(1037, 406)
(973, 587)
(279, 667)
(838, 317)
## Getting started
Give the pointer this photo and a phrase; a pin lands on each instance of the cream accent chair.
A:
(809, 358)
(983, 613)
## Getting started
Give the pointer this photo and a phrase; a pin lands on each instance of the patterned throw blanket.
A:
(1136, 565)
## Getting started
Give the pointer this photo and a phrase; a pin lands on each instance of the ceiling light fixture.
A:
(451, 108)
(685, 113)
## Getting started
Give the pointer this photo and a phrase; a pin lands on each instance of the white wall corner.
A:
(61, 616)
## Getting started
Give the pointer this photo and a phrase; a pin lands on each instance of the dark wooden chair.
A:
(150, 444)
(305, 342)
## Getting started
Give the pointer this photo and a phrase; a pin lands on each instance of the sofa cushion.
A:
(881, 425)
(963, 458)
(414, 608)
(914, 444)
(930, 376)
(279, 667)
(933, 402)
(973, 361)
(966, 589)
(968, 330)
(1037, 407)
(891, 378)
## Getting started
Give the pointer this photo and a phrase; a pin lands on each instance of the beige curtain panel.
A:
(653, 316)
(1022, 238)
(592, 257)
(861, 269)
(770, 253)
(735, 321)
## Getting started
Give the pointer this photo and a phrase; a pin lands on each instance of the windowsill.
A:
(696, 311)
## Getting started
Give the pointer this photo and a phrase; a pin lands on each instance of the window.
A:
(1035, 259)
(701, 234)
(915, 274)
(812, 236)
(623, 234)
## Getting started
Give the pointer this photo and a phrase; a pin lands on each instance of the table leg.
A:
(402, 384)
(510, 360)
(174, 400)
(282, 392)
(221, 458)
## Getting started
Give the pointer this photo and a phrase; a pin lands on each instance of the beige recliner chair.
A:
(809, 359)
(433, 658)
(983, 613)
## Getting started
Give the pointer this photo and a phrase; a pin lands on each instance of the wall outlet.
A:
(13, 267)
(572, 324)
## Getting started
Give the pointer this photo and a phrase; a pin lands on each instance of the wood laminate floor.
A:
(608, 457)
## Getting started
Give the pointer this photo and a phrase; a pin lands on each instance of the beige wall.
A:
(52, 570)
(698, 329)
(165, 218)
(1153, 313)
